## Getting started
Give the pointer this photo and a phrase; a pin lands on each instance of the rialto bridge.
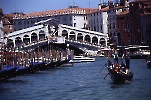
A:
(49, 29)
(83, 36)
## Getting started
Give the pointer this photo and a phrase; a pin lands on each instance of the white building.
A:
(1, 29)
(97, 21)
(72, 16)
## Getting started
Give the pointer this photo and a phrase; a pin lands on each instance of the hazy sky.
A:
(28, 6)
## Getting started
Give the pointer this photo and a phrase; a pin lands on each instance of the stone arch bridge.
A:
(49, 29)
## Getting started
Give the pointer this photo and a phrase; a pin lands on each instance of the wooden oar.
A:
(106, 75)
(140, 62)
(102, 68)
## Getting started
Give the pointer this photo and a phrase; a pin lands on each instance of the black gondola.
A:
(119, 73)
(149, 63)
(7, 72)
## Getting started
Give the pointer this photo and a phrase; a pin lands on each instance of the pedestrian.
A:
(127, 59)
(115, 55)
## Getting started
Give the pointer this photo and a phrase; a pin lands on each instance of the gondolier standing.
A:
(127, 59)
(115, 55)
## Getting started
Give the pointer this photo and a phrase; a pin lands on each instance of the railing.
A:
(85, 43)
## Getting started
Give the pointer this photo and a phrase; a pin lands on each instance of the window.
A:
(64, 18)
(19, 22)
(74, 25)
(101, 27)
(25, 22)
(118, 26)
(10, 26)
(138, 19)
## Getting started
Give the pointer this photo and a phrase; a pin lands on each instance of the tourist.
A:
(127, 59)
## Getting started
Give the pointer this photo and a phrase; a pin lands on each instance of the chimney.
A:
(100, 6)
(111, 5)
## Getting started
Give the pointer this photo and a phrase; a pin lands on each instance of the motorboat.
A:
(78, 59)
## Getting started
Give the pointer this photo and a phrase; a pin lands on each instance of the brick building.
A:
(123, 27)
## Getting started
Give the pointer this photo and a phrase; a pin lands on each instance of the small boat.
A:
(22, 70)
(101, 55)
(148, 63)
(119, 73)
(69, 63)
(7, 72)
(78, 59)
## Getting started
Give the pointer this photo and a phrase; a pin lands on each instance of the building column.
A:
(98, 41)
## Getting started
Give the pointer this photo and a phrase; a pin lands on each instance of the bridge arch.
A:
(18, 42)
(102, 41)
(80, 37)
(34, 37)
(10, 43)
(41, 35)
(26, 39)
(95, 40)
(53, 27)
(65, 33)
(72, 35)
(87, 38)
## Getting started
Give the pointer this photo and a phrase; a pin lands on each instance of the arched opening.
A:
(80, 37)
(95, 40)
(10, 43)
(72, 36)
(18, 42)
(65, 34)
(41, 35)
(26, 39)
(34, 37)
(87, 38)
(53, 28)
(102, 42)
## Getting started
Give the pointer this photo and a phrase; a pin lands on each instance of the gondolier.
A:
(115, 55)
(127, 59)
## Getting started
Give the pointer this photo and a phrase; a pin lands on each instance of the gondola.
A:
(7, 72)
(148, 63)
(119, 73)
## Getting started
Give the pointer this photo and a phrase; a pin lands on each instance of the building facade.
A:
(145, 22)
(72, 16)
(97, 21)
(123, 27)
(1, 29)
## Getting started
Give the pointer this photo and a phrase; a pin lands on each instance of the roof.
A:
(124, 13)
(105, 9)
(76, 10)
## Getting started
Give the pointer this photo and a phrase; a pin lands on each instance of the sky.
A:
(27, 6)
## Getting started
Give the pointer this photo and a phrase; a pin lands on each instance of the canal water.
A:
(82, 81)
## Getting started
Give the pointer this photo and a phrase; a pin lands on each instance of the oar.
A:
(106, 75)
(102, 68)
(140, 62)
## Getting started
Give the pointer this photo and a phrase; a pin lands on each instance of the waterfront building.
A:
(97, 20)
(123, 27)
(1, 29)
(8, 23)
(114, 10)
(72, 16)
(145, 22)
